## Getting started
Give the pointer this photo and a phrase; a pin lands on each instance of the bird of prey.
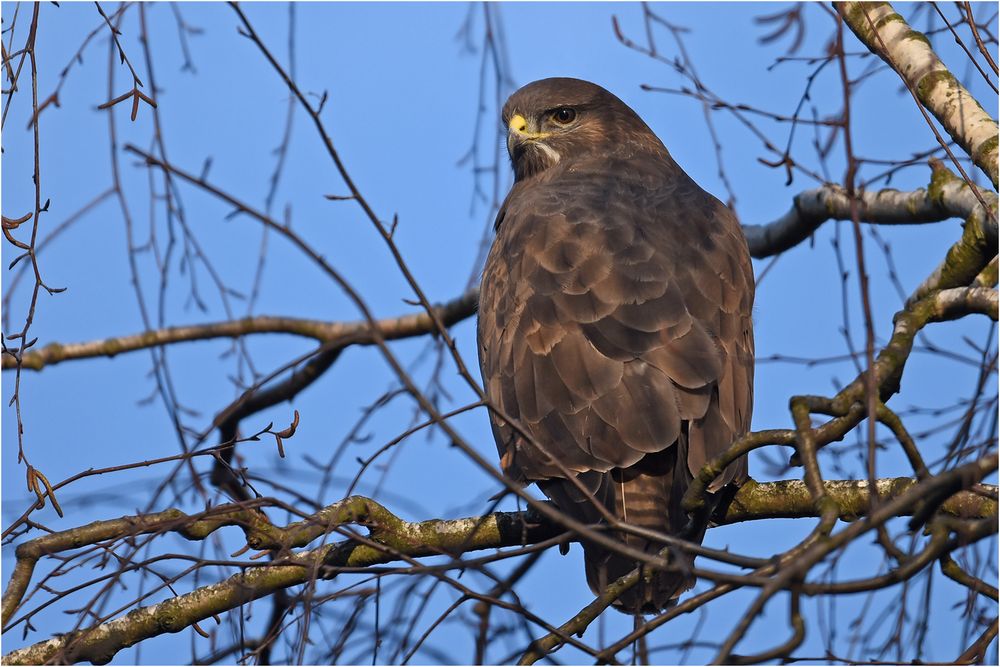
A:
(615, 334)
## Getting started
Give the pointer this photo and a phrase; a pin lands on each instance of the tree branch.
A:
(790, 499)
(358, 332)
(391, 538)
(973, 252)
(946, 197)
(909, 53)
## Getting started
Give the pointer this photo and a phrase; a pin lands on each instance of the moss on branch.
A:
(790, 500)
(390, 538)
(886, 34)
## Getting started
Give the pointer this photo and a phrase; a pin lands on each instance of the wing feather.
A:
(604, 327)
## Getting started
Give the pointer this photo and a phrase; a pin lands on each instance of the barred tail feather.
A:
(647, 495)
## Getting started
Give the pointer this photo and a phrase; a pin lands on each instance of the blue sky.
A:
(402, 110)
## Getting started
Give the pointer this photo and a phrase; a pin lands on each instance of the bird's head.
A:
(559, 120)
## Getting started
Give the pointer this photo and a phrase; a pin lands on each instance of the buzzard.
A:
(614, 327)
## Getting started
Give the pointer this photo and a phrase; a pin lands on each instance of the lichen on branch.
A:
(390, 539)
(887, 34)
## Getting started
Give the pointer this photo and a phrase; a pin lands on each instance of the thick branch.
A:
(391, 538)
(973, 252)
(791, 500)
(811, 208)
(909, 53)
(945, 198)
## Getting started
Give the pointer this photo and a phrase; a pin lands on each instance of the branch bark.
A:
(909, 53)
(945, 198)
(358, 332)
(391, 539)
(974, 251)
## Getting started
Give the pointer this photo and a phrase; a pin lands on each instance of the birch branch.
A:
(946, 197)
(909, 53)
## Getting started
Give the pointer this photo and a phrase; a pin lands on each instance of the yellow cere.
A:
(519, 126)
(518, 123)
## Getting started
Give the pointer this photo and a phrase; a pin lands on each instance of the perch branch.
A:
(501, 529)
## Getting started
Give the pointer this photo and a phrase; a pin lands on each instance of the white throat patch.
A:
(549, 152)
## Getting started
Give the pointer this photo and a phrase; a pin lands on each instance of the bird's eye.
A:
(564, 115)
